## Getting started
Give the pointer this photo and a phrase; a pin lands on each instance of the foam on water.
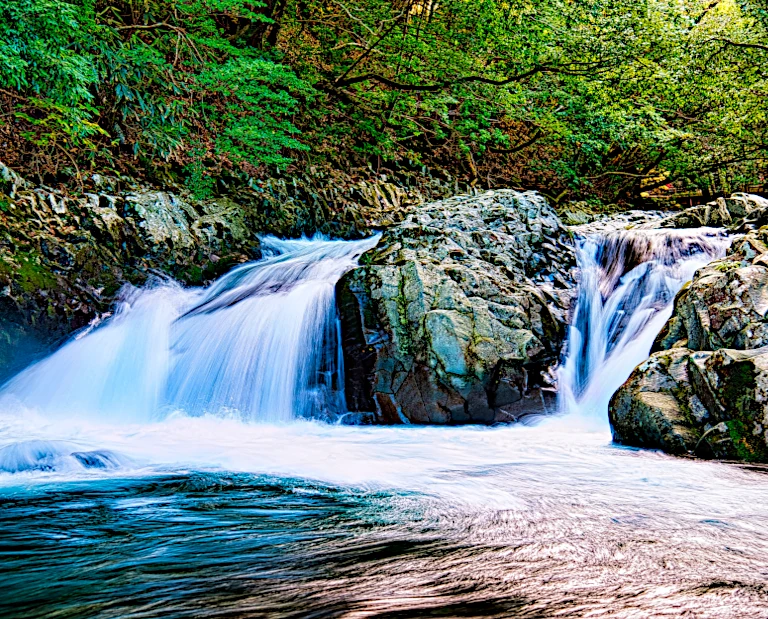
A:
(628, 283)
(260, 343)
(178, 376)
(149, 469)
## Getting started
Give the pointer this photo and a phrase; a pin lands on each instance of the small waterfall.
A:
(629, 280)
(261, 344)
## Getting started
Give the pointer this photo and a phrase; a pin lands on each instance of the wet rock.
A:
(63, 258)
(703, 390)
(97, 459)
(31, 456)
(725, 305)
(650, 408)
(710, 404)
(457, 313)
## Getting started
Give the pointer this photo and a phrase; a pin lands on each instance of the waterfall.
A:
(260, 344)
(628, 282)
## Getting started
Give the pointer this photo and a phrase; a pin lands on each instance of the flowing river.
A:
(186, 458)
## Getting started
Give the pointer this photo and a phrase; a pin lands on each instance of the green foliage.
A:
(43, 53)
(149, 78)
(42, 49)
(258, 96)
(198, 180)
(600, 98)
(608, 97)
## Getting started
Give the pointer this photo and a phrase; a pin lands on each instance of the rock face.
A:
(741, 210)
(703, 390)
(64, 255)
(459, 311)
(63, 258)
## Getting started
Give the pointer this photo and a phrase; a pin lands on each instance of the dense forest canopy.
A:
(602, 99)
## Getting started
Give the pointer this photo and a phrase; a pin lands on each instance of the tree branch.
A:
(628, 174)
(737, 44)
(148, 26)
(508, 151)
(375, 77)
(181, 31)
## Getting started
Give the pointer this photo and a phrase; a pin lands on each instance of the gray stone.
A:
(704, 389)
(455, 314)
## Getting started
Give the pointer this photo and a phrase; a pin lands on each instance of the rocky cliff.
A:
(459, 312)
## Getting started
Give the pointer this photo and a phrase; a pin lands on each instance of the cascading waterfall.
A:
(260, 344)
(207, 515)
(629, 280)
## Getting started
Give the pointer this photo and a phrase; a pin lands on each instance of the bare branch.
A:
(523, 145)
(375, 77)
(737, 44)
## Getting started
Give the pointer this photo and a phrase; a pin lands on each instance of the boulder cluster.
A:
(64, 254)
(704, 389)
(458, 315)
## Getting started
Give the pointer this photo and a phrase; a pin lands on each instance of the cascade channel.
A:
(157, 465)
(261, 344)
(628, 283)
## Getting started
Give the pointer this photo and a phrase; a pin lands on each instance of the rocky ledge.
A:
(63, 257)
(459, 312)
(740, 212)
(704, 390)
(65, 254)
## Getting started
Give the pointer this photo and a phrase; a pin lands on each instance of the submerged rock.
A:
(37, 455)
(31, 456)
(457, 314)
(703, 390)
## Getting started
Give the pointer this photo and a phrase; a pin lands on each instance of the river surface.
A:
(225, 513)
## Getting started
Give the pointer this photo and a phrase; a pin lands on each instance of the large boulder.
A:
(457, 314)
(704, 388)
(711, 404)
(726, 303)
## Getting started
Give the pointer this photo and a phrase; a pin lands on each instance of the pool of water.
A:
(209, 517)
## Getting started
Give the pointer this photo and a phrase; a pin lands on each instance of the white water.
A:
(629, 280)
(178, 376)
(175, 382)
(260, 344)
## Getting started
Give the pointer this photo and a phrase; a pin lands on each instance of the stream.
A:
(185, 459)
